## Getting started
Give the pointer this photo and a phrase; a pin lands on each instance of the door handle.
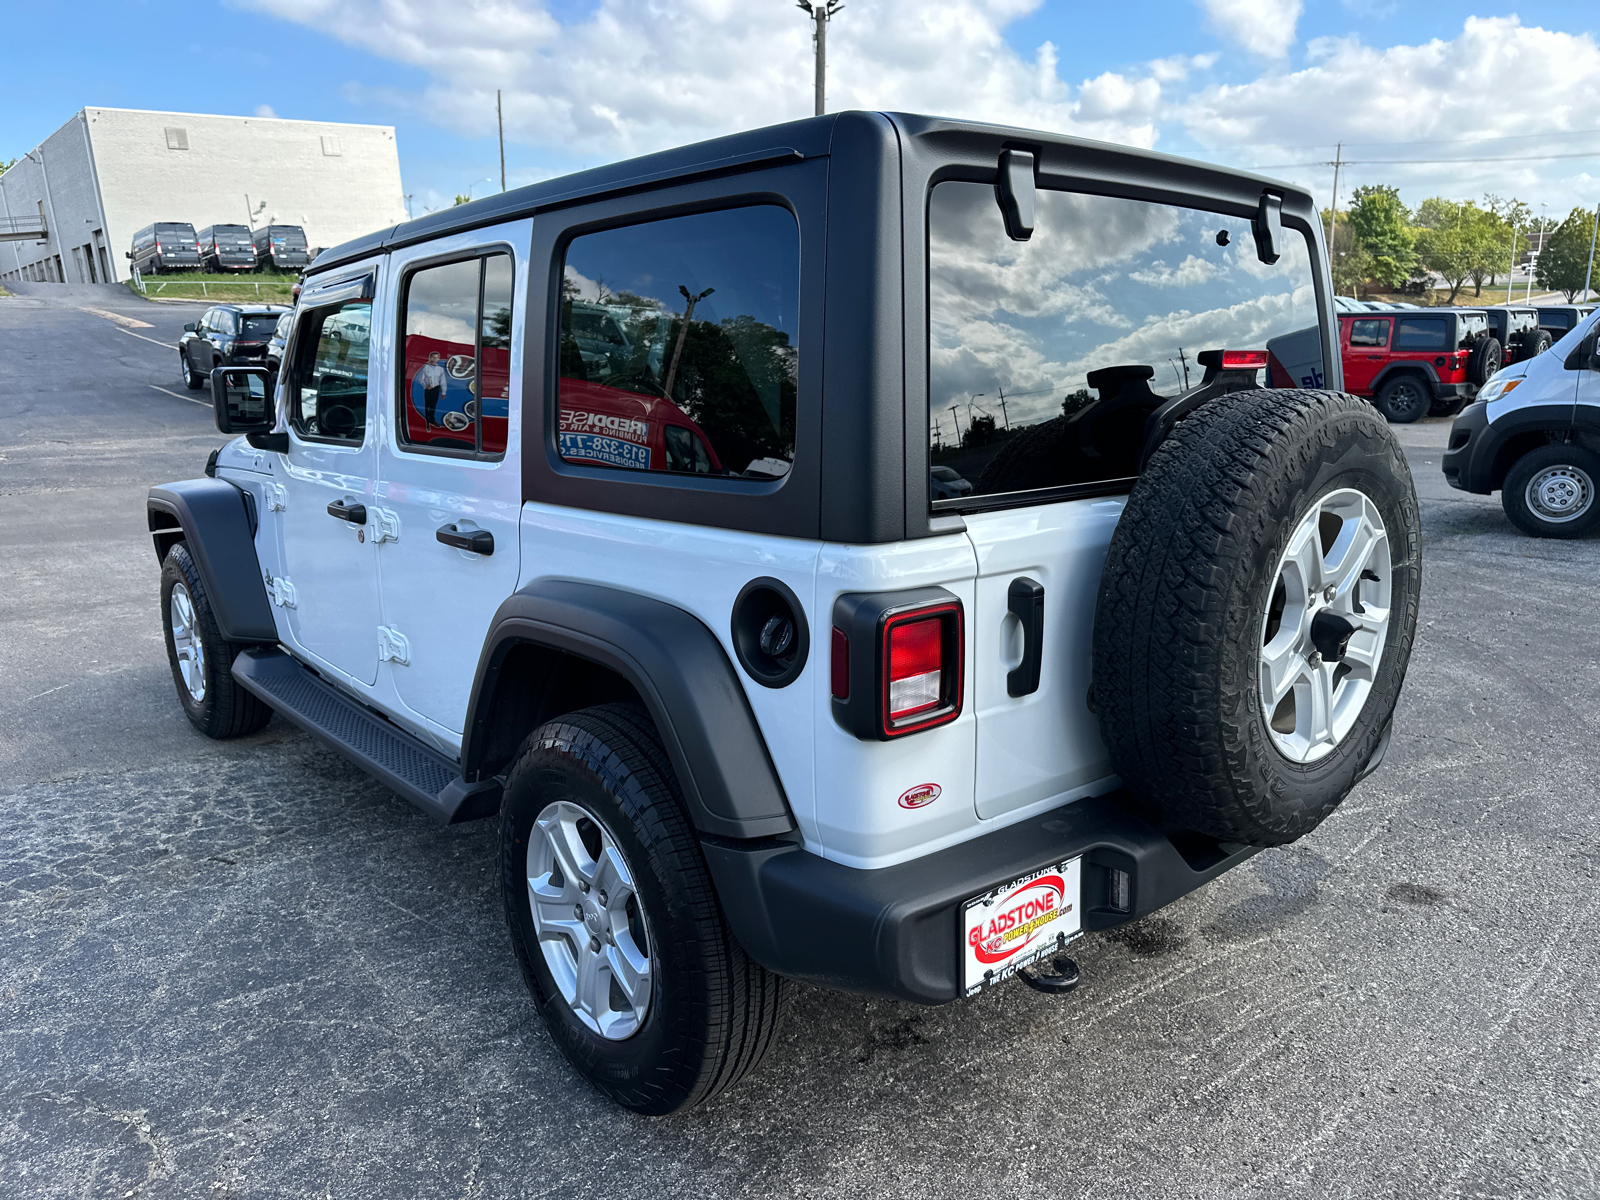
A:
(356, 514)
(1025, 600)
(479, 541)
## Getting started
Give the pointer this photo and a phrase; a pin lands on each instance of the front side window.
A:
(1422, 333)
(328, 390)
(1369, 333)
(455, 383)
(1046, 356)
(678, 348)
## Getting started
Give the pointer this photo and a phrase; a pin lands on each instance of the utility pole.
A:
(1185, 361)
(821, 13)
(1003, 411)
(1333, 212)
(688, 315)
(955, 422)
(1513, 268)
(499, 120)
(1588, 272)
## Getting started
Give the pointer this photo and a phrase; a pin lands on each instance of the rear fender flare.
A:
(680, 672)
(1409, 367)
(214, 519)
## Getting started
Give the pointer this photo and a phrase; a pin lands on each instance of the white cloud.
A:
(1190, 271)
(1450, 94)
(1261, 27)
(265, 110)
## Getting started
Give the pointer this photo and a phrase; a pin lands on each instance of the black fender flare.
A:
(681, 673)
(1407, 367)
(218, 526)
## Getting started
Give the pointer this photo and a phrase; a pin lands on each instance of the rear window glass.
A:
(259, 327)
(679, 345)
(1369, 333)
(1556, 320)
(1046, 356)
(1422, 333)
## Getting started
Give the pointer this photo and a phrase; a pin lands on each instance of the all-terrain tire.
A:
(1485, 359)
(222, 709)
(1181, 610)
(713, 1012)
(1551, 492)
(1534, 343)
(1404, 398)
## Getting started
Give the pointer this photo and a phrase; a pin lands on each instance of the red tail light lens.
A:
(916, 662)
(1243, 360)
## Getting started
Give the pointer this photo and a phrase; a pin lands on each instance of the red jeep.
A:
(1415, 361)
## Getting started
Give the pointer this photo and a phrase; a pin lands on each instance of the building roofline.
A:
(162, 112)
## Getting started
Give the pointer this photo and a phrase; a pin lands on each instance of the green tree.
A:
(1564, 262)
(1350, 263)
(6, 164)
(460, 200)
(1460, 241)
(1382, 229)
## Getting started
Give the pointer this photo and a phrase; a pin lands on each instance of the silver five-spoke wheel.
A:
(590, 925)
(1327, 618)
(186, 642)
(1560, 493)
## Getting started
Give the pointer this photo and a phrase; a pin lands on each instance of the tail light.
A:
(897, 661)
(1243, 360)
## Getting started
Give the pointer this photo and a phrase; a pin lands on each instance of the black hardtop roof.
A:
(792, 141)
(160, 225)
(255, 310)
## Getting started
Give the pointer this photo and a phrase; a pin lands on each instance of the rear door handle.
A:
(479, 541)
(345, 510)
(1025, 600)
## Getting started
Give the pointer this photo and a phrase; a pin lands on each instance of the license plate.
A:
(1020, 923)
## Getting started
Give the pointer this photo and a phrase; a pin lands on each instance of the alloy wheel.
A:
(186, 643)
(1325, 625)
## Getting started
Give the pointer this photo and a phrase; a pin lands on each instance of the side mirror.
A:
(240, 401)
(189, 327)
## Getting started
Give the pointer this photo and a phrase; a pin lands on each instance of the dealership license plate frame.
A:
(1009, 905)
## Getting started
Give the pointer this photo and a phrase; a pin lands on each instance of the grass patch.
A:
(197, 285)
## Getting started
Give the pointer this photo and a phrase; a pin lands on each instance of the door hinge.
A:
(392, 645)
(280, 591)
(277, 498)
(385, 525)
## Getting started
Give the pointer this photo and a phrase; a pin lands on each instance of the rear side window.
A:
(1556, 320)
(1422, 333)
(1045, 357)
(328, 389)
(678, 345)
(1369, 333)
(455, 382)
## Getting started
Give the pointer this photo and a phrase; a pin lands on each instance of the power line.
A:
(1407, 162)
(1510, 137)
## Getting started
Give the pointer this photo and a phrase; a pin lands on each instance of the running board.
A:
(390, 755)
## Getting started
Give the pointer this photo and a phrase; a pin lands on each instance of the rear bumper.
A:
(895, 931)
(1449, 391)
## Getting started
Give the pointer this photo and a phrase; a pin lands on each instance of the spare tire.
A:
(1534, 343)
(1273, 539)
(1484, 360)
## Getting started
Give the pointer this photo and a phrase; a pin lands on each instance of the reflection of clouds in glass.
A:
(1189, 272)
(1093, 288)
(441, 326)
(581, 287)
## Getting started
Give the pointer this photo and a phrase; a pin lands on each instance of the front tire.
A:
(615, 922)
(1551, 492)
(192, 379)
(201, 659)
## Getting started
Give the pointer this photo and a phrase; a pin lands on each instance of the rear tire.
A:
(705, 1014)
(1190, 614)
(1403, 399)
(1551, 492)
(200, 658)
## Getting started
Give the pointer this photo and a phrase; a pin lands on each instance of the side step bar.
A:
(417, 771)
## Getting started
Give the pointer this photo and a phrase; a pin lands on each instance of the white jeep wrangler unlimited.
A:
(607, 506)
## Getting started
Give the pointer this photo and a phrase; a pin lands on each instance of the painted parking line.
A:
(181, 396)
(129, 322)
(142, 338)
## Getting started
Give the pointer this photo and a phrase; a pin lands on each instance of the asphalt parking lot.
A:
(244, 969)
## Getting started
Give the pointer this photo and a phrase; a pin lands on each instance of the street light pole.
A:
(1588, 271)
(500, 123)
(821, 13)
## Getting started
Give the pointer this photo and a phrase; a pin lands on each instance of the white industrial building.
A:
(69, 208)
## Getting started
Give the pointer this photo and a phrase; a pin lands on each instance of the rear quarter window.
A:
(1422, 333)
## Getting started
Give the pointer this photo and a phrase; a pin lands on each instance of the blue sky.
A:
(1246, 82)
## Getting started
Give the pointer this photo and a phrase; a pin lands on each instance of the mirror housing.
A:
(1268, 228)
(190, 327)
(240, 401)
(1014, 193)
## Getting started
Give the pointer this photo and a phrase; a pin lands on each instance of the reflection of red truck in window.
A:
(607, 425)
(462, 399)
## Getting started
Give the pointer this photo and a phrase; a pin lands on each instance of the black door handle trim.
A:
(479, 541)
(356, 514)
(1025, 599)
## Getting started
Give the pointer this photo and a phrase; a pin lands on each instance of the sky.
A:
(1413, 90)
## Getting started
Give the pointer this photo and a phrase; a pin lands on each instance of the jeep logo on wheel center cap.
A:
(920, 796)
